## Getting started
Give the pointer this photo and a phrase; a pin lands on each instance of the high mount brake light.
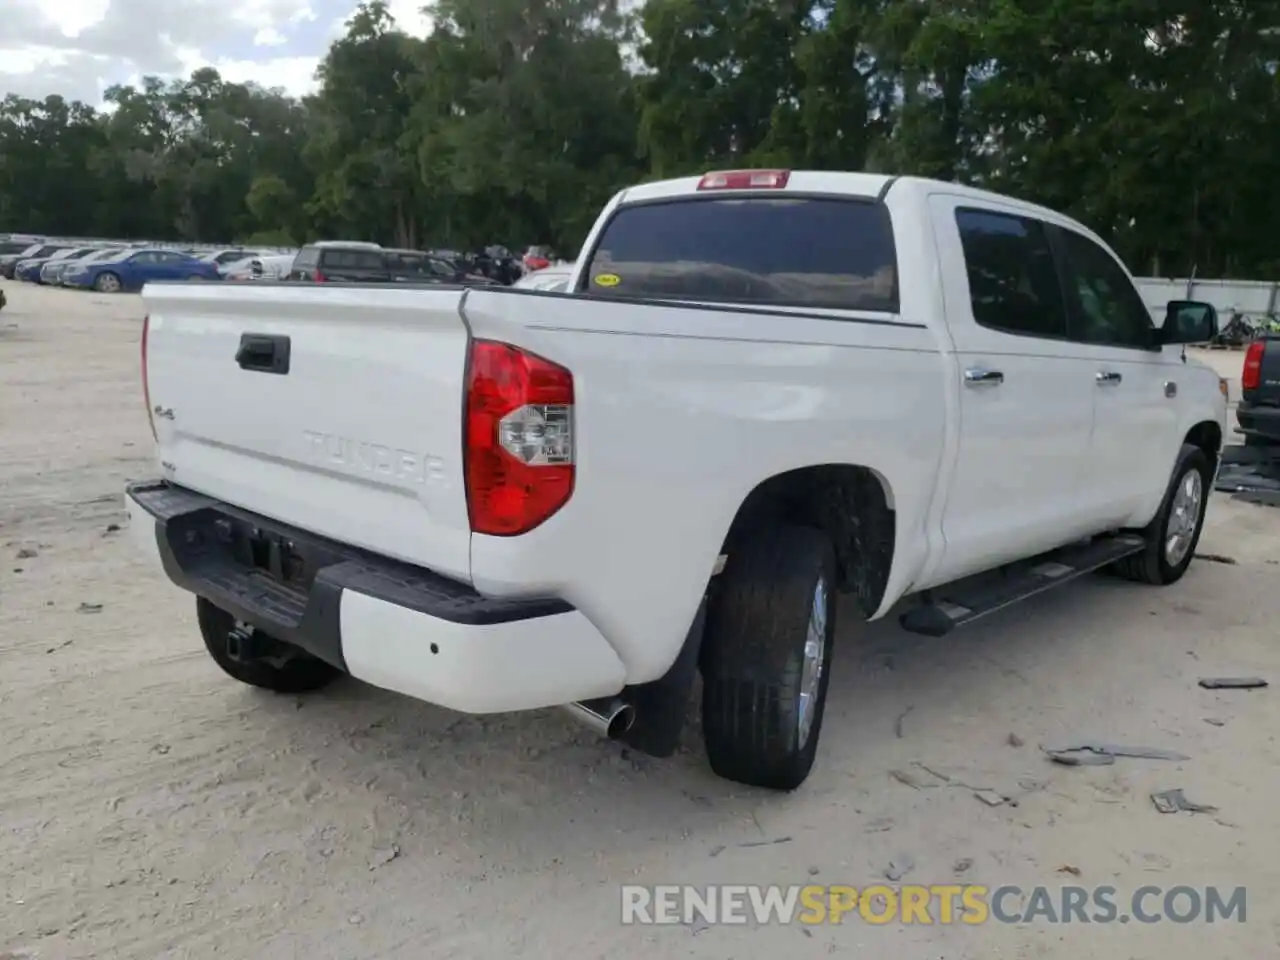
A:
(1251, 376)
(745, 180)
(519, 438)
(146, 387)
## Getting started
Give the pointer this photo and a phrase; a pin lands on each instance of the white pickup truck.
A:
(761, 388)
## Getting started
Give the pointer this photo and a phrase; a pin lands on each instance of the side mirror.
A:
(1188, 321)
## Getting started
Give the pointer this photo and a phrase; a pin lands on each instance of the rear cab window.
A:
(819, 252)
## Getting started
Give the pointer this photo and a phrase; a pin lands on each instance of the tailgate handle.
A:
(263, 352)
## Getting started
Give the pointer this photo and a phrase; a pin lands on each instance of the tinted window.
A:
(307, 257)
(47, 251)
(1013, 281)
(798, 251)
(353, 260)
(231, 257)
(1108, 309)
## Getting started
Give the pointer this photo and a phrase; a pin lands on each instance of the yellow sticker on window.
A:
(608, 279)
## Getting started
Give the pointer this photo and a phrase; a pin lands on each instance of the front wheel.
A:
(766, 657)
(1172, 536)
(107, 283)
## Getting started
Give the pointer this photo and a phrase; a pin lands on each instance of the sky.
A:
(78, 48)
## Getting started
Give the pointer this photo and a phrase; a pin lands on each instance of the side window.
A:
(1013, 281)
(307, 257)
(1109, 310)
(145, 257)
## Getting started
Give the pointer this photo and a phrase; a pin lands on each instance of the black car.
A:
(341, 261)
(415, 266)
(351, 262)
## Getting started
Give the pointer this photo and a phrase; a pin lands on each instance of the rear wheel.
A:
(289, 670)
(107, 283)
(1172, 536)
(766, 656)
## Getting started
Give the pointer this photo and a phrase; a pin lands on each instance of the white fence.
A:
(1254, 299)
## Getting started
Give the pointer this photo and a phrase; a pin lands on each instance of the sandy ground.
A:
(153, 808)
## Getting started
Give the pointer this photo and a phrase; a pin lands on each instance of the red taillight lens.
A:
(146, 388)
(745, 180)
(519, 438)
(320, 277)
(1251, 376)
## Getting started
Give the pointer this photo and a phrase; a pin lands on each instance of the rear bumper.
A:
(1258, 420)
(395, 626)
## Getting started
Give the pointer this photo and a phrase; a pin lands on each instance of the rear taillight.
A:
(1251, 376)
(146, 388)
(320, 277)
(519, 438)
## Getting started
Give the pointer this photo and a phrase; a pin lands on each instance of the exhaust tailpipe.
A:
(609, 716)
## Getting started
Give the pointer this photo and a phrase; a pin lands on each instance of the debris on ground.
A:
(1216, 558)
(115, 528)
(716, 850)
(383, 857)
(1014, 740)
(1215, 722)
(1175, 801)
(89, 608)
(990, 797)
(765, 843)
(1232, 683)
(897, 724)
(1068, 868)
(1104, 754)
(26, 553)
(899, 867)
(962, 865)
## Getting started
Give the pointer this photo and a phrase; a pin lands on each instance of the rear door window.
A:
(799, 251)
(1013, 279)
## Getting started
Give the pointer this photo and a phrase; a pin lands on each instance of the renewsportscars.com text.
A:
(942, 904)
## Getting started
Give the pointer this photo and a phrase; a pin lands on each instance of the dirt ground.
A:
(153, 808)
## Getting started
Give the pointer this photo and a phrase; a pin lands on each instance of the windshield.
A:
(799, 252)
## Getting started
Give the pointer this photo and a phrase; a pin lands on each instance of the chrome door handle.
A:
(1107, 378)
(982, 377)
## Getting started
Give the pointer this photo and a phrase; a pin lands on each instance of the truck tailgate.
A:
(337, 410)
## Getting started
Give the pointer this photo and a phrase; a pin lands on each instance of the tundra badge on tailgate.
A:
(373, 459)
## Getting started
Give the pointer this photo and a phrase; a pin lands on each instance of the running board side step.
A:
(953, 607)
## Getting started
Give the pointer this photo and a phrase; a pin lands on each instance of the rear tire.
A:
(766, 657)
(1177, 523)
(298, 673)
(107, 283)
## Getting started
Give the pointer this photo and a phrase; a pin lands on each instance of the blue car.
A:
(131, 269)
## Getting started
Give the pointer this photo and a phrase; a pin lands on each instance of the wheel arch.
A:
(852, 503)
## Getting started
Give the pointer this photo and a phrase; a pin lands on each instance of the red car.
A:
(537, 258)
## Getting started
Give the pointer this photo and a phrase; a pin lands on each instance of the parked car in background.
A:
(131, 269)
(340, 261)
(13, 249)
(9, 261)
(30, 270)
(417, 266)
(553, 279)
(538, 258)
(52, 271)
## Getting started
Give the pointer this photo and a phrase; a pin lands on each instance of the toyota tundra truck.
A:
(759, 389)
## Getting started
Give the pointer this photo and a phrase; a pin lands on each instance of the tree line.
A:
(1155, 122)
